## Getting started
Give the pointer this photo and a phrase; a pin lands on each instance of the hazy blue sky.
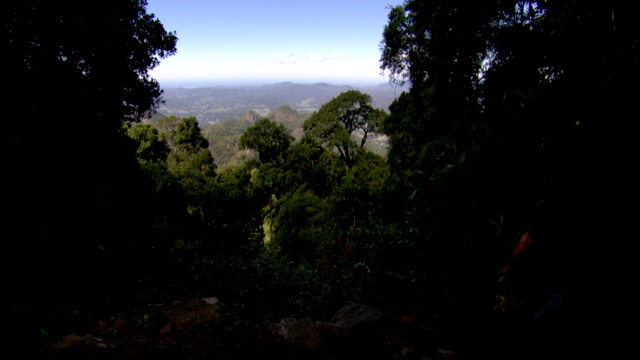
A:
(263, 41)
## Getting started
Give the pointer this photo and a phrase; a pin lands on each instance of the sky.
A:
(222, 42)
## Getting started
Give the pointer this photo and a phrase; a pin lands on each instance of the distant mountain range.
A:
(211, 105)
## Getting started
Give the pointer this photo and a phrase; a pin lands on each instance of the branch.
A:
(279, 203)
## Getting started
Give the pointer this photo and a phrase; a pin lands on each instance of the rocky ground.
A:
(205, 329)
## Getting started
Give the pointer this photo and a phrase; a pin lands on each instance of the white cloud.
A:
(323, 58)
(285, 61)
(316, 58)
(338, 56)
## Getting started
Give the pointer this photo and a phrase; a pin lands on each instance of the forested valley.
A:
(127, 238)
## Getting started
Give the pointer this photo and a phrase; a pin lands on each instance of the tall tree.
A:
(188, 136)
(152, 154)
(337, 121)
(192, 164)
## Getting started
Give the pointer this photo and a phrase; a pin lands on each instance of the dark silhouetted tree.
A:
(508, 100)
(78, 72)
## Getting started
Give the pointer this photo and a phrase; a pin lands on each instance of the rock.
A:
(66, 342)
(81, 347)
(312, 335)
(359, 330)
(193, 312)
(281, 328)
(250, 116)
(125, 327)
(188, 333)
(211, 300)
(445, 354)
(354, 318)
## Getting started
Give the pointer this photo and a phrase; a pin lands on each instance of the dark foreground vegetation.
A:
(109, 223)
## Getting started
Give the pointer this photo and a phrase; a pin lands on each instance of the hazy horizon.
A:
(187, 83)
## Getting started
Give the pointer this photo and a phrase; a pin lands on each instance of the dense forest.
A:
(511, 103)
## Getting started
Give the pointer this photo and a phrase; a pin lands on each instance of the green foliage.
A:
(310, 163)
(364, 183)
(335, 250)
(188, 136)
(299, 243)
(269, 139)
(150, 145)
(337, 120)
(152, 153)
(167, 127)
(224, 137)
(190, 149)
(192, 164)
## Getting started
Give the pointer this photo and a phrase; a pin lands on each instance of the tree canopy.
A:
(151, 146)
(340, 118)
(268, 138)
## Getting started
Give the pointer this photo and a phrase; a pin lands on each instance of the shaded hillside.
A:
(383, 95)
(211, 105)
(286, 115)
